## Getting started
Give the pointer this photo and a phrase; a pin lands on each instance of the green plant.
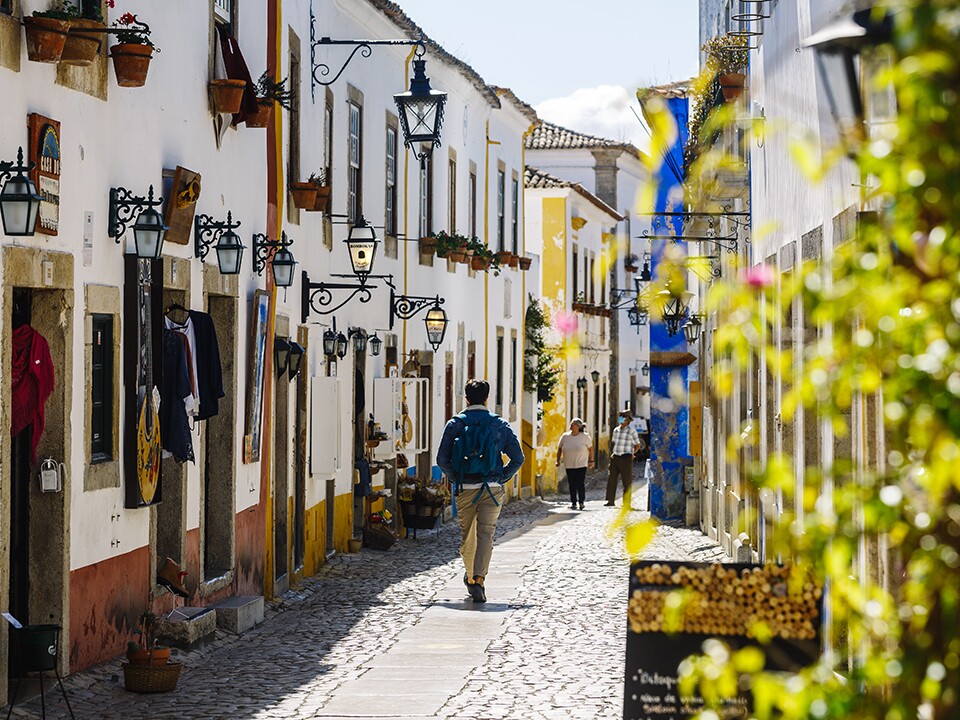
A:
(726, 54)
(541, 369)
(268, 89)
(319, 179)
(59, 10)
(450, 242)
(146, 632)
(132, 31)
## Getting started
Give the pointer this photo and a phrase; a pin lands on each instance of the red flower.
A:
(127, 19)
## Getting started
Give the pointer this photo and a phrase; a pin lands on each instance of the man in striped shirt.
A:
(624, 443)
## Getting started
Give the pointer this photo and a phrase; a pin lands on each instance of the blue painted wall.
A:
(669, 418)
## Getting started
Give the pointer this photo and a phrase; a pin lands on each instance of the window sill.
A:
(101, 475)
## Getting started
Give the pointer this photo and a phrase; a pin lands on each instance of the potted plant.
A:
(319, 180)
(227, 95)
(630, 263)
(448, 246)
(727, 57)
(145, 650)
(148, 668)
(304, 194)
(81, 47)
(269, 92)
(133, 51)
(580, 303)
(503, 257)
(514, 261)
(46, 33)
(525, 263)
(428, 245)
(481, 256)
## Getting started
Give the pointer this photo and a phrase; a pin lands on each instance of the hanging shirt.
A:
(32, 383)
(174, 425)
(192, 401)
(209, 370)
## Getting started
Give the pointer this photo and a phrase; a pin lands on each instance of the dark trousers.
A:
(622, 466)
(576, 480)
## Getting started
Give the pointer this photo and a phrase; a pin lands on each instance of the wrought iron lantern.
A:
(229, 247)
(281, 354)
(360, 338)
(436, 322)
(329, 342)
(673, 309)
(692, 328)
(294, 359)
(362, 245)
(581, 383)
(596, 376)
(341, 345)
(19, 200)
(283, 264)
(375, 344)
(148, 230)
(645, 370)
(421, 110)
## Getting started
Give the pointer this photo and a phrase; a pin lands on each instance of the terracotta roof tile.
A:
(540, 180)
(526, 110)
(553, 137)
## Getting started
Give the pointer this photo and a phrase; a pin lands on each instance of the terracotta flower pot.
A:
(428, 245)
(304, 194)
(514, 261)
(130, 63)
(262, 117)
(160, 656)
(227, 95)
(731, 84)
(456, 256)
(525, 263)
(323, 198)
(45, 38)
(81, 48)
(478, 262)
(504, 257)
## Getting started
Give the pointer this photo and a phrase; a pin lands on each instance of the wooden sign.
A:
(181, 204)
(45, 152)
(674, 607)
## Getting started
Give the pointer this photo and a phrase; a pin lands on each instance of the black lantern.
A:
(375, 344)
(421, 110)
(281, 354)
(638, 315)
(294, 359)
(362, 244)
(645, 274)
(229, 252)
(19, 201)
(581, 383)
(229, 248)
(341, 345)
(838, 47)
(283, 262)
(596, 376)
(283, 266)
(692, 328)
(645, 369)
(359, 339)
(329, 342)
(673, 309)
(148, 230)
(436, 322)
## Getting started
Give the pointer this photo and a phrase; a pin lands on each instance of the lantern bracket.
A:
(318, 297)
(9, 169)
(206, 231)
(265, 248)
(124, 205)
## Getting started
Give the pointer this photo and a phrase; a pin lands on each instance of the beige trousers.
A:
(478, 521)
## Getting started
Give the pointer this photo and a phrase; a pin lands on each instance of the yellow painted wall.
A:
(555, 253)
(529, 469)
(314, 550)
(342, 521)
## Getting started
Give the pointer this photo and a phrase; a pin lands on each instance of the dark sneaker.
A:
(465, 581)
(581, 506)
(609, 504)
(477, 592)
(573, 506)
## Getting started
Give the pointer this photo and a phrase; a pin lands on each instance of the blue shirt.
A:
(507, 438)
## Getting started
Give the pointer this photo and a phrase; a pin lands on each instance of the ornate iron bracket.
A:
(319, 297)
(123, 206)
(364, 47)
(206, 231)
(407, 306)
(730, 243)
(264, 248)
(8, 169)
(705, 267)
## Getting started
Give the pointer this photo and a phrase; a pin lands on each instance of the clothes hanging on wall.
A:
(209, 369)
(174, 391)
(186, 329)
(32, 383)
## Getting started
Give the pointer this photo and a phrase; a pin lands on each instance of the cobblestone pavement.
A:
(555, 648)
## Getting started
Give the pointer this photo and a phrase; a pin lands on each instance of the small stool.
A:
(36, 651)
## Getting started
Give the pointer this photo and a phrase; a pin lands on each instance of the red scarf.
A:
(32, 383)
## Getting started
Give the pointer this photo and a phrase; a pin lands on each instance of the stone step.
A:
(185, 627)
(239, 614)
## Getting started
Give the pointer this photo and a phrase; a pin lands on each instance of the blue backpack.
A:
(476, 450)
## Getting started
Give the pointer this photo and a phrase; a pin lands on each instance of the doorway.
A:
(20, 490)
(281, 487)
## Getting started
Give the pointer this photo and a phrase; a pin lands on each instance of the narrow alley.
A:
(393, 634)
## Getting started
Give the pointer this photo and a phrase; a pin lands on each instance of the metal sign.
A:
(45, 152)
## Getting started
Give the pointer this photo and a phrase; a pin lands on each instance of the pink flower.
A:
(566, 323)
(110, 3)
(758, 276)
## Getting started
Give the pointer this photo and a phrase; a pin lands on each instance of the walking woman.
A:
(576, 452)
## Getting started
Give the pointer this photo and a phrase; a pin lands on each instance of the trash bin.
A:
(36, 647)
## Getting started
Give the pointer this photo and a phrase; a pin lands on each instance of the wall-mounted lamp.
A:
(436, 322)
(673, 309)
(281, 354)
(148, 230)
(19, 200)
(360, 338)
(283, 262)
(581, 383)
(229, 248)
(294, 359)
(596, 376)
(375, 344)
(421, 110)
(692, 328)
(334, 343)
(362, 244)
(645, 370)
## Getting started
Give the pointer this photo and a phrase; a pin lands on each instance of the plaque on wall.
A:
(182, 199)
(731, 602)
(45, 152)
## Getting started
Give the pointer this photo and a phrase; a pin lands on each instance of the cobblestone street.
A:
(391, 634)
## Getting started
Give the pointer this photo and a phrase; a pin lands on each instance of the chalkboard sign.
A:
(730, 602)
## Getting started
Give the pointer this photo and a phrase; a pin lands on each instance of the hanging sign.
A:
(45, 152)
(675, 607)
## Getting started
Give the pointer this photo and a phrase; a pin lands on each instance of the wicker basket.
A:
(151, 678)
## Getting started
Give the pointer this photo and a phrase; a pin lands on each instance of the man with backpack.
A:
(471, 456)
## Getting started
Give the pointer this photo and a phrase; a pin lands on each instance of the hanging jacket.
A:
(32, 383)
(174, 425)
(209, 369)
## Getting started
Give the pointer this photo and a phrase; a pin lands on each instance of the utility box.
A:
(402, 409)
(325, 426)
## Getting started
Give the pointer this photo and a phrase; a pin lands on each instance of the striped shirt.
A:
(624, 440)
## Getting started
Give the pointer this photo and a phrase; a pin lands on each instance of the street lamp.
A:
(341, 345)
(838, 47)
(283, 263)
(645, 369)
(596, 376)
(673, 309)
(362, 244)
(329, 342)
(295, 359)
(375, 344)
(436, 322)
(229, 248)
(149, 228)
(581, 383)
(421, 110)
(359, 336)
(281, 354)
(692, 328)
(19, 201)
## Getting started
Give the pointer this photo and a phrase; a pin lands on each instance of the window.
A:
(222, 10)
(499, 397)
(390, 220)
(515, 213)
(354, 174)
(513, 370)
(452, 195)
(592, 279)
(101, 389)
(575, 269)
(472, 203)
(6, 7)
(501, 189)
(426, 197)
(293, 150)
(328, 165)
(588, 277)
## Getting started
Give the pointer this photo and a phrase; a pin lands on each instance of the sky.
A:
(578, 63)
